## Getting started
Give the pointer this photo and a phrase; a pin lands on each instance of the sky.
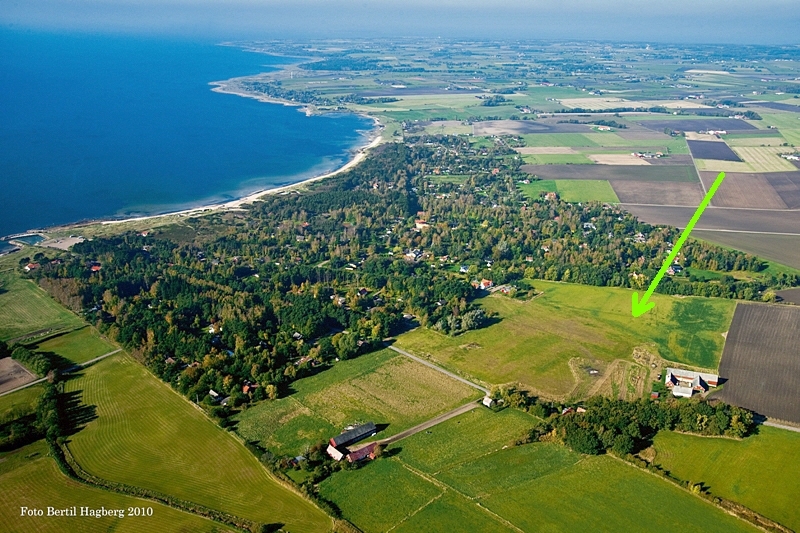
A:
(677, 21)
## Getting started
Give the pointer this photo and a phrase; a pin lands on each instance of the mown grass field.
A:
(30, 478)
(78, 346)
(146, 435)
(761, 471)
(25, 308)
(483, 484)
(383, 387)
(557, 159)
(534, 341)
(572, 190)
(557, 139)
(19, 403)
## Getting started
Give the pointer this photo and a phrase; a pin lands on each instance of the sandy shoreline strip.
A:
(256, 196)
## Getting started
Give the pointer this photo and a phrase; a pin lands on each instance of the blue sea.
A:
(105, 126)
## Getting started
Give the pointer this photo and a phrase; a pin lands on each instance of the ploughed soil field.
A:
(614, 172)
(658, 193)
(698, 124)
(734, 220)
(712, 150)
(789, 295)
(516, 127)
(13, 375)
(752, 190)
(784, 249)
(760, 362)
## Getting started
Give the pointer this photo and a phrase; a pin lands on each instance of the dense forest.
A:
(243, 302)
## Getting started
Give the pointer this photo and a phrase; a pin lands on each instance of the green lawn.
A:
(20, 403)
(572, 190)
(557, 159)
(25, 308)
(30, 478)
(146, 435)
(383, 387)
(453, 513)
(586, 191)
(77, 346)
(534, 341)
(761, 471)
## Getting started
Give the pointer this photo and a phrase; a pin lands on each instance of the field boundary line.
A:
(424, 505)
(441, 484)
(715, 207)
(25, 386)
(753, 232)
(435, 421)
(439, 369)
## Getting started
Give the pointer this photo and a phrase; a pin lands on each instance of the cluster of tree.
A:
(44, 423)
(300, 280)
(39, 363)
(602, 424)
(493, 101)
(654, 109)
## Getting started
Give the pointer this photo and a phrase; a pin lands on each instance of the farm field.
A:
(712, 150)
(744, 190)
(660, 122)
(26, 308)
(30, 478)
(760, 361)
(735, 220)
(766, 158)
(667, 173)
(146, 435)
(571, 140)
(19, 403)
(787, 123)
(535, 487)
(760, 471)
(383, 387)
(556, 159)
(13, 374)
(783, 249)
(78, 346)
(572, 191)
(736, 140)
(539, 341)
(658, 193)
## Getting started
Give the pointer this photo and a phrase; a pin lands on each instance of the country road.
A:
(73, 368)
(438, 369)
(430, 423)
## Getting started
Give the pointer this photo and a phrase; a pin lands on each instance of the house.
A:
(483, 284)
(551, 196)
(335, 454)
(488, 402)
(247, 388)
(297, 336)
(354, 435)
(684, 383)
(362, 453)
(31, 266)
(95, 267)
(463, 269)
(214, 395)
(421, 224)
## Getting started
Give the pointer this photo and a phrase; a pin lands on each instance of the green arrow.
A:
(638, 307)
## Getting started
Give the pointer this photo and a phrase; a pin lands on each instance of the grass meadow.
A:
(146, 435)
(383, 387)
(572, 190)
(20, 403)
(30, 478)
(483, 483)
(760, 471)
(534, 341)
(77, 346)
(557, 159)
(25, 308)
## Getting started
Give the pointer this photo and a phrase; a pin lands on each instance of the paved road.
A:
(781, 426)
(430, 423)
(439, 369)
(67, 371)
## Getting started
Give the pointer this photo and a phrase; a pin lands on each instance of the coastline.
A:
(235, 205)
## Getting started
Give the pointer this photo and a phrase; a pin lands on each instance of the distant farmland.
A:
(760, 361)
(699, 124)
(679, 173)
(712, 150)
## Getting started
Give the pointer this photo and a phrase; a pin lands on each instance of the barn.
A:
(354, 435)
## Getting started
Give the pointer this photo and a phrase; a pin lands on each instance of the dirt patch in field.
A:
(613, 172)
(618, 159)
(744, 190)
(675, 159)
(547, 150)
(13, 375)
(760, 362)
(696, 136)
(658, 193)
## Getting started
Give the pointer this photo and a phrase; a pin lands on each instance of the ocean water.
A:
(103, 126)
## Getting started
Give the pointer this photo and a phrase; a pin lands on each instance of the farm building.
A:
(488, 401)
(684, 383)
(335, 454)
(362, 453)
(354, 435)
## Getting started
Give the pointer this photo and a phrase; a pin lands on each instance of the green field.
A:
(77, 346)
(557, 139)
(25, 308)
(557, 159)
(146, 435)
(534, 341)
(20, 403)
(499, 487)
(30, 478)
(383, 387)
(572, 190)
(761, 471)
